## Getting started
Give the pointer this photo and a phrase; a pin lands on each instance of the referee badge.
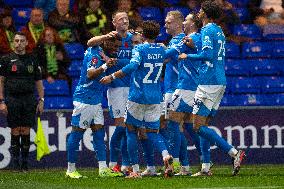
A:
(30, 69)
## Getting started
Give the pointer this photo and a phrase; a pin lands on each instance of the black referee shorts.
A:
(21, 110)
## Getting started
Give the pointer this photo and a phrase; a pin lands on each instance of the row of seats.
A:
(253, 100)
(254, 67)
(256, 49)
(255, 85)
(234, 85)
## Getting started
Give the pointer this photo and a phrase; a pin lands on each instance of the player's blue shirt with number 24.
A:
(145, 68)
(213, 55)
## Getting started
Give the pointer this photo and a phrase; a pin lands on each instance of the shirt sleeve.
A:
(134, 61)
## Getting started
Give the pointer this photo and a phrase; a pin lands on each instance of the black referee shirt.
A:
(20, 72)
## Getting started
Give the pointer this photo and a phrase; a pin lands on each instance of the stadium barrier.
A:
(259, 130)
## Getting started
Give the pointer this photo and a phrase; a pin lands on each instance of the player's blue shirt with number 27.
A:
(213, 55)
(146, 67)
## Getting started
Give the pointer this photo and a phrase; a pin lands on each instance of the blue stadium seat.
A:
(151, 13)
(19, 27)
(172, 2)
(279, 63)
(239, 3)
(74, 50)
(232, 50)
(249, 100)
(263, 67)
(19, 3)
(236, 68)
(58, 103)
(246, 85)
(74, 69)
(257, 49)
(229, 100)
(278, 50)
(248, 30)
(230, 83)
(273, 85)
(57, 88)
(279, 99)
(21, 15)
(74, 85)
(243, 13)
(185, 11)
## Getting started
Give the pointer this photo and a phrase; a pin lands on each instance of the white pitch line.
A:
(241, 187)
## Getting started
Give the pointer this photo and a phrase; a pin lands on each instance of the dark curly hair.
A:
(197, 22)
(211, 9)
(151, 29)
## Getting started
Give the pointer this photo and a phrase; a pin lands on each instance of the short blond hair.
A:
(177, 15)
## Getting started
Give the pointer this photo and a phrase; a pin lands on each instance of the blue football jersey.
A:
(189, 69)
(213, 39)
(146, 67)
(124, 56)
(90, 91)
(171, 71)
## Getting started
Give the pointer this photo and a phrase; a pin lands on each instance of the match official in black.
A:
(20, 74)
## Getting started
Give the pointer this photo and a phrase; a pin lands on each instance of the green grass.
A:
(263, 176)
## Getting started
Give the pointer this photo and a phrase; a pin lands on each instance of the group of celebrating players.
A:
(131, 64)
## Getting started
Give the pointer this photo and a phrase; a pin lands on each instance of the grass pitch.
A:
(251, 176)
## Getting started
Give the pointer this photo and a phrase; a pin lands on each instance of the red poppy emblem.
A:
(94, 60)
(14, 68)
(126, 44)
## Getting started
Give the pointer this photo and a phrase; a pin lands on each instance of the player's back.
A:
(145, 86)
(89, 91)
(214, 39)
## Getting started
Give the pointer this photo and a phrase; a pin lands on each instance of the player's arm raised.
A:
(97, 40)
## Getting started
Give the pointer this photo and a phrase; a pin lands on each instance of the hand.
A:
(182, 56)
(188, 42)
(59, 55)
(3, 109)
(106, 80)
(112, 34)
(39, 108)
(111, 62)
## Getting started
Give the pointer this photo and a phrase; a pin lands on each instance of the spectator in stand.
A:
(94, 19)
(7, 32)
(51, 52)
(193, 5)
(65, 22)
(46, 5)
(264, 12)
(134, 17)
(227, 20)
(34, 28)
